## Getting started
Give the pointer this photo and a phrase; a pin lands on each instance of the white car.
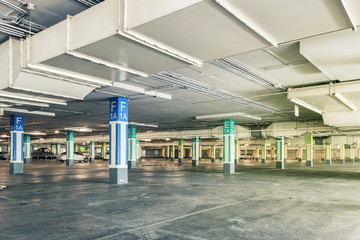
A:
(77, 157)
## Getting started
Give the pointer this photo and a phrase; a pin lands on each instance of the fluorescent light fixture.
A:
(345, 101)
(68, 74)
(7, 100)
(147, 140)
(34, 99)
(306, 105)
(18, 110)
(143, 124)
(141, 90)
(296, 110)
(2, 105)
(167, 139)
(267, 144)
(78, 129)
(4, 135)
(244, 20)
(225, 115)
(36, 133)
(42, 139)
(246, 145)
(57, 131)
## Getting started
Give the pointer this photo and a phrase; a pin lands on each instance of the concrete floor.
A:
(166, 201)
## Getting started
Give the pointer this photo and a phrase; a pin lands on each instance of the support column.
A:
(237, 150)
(322, 154)
(16, 144)
(103, 149)
(92, 152)
(213, 153)
(229, 146)
(257, 154)
(132, 147)
(358, 154)
(285, 152)
(167, 152)
(300, 154)
(27, 157)
(272, 153)
(195, 151)
(76, 147)
(138, 151)
(190, 152)
(328, 154)
(352, 155)
(342, 153)
(221, 153)
(118, 153)
(263, 153)
(58, 148)
(309, 151)
(70, 148)
(200, 152)
(181, 151)
(172, 153)
(52, 148)
(280, 153)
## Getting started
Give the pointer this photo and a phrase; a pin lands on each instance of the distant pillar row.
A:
(229, 146)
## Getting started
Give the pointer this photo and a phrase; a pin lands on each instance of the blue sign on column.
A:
(118, 109)
(16, 123)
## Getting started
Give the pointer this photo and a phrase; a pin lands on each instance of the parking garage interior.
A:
(181, 119)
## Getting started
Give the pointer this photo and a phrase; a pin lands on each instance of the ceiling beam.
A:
(348, 15)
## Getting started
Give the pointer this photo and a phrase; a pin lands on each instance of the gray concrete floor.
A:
(167, 201)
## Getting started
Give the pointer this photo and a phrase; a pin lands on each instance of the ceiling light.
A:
(225, 115)
(4, 136)
(36, 133)
(51, 114)
(167, 139)
(143, 124)
(78, 129)
(147, 140)
(305, 105)
(23, 102)
(345, 101)
(69, 74)
(141, 90)
(2, 94)
(57, 131)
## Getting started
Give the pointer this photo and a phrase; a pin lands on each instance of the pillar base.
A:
(180, 160)
(212, 159)
(92, 160)
(272, 158)
(69, 162)
(359, 160)
(263, 160)
(299, 159)
(27, 160)
(342, 161)
(328, 161)
(309, 163)
(257, 159)
(199, 159)
(167, 158)
(132, 164)
(322, 159)
(118, 175)
(229, 168)
(352, 160)
(16, 168)
(280, 165)
(221, 158)
(172, 159)
(195, 163)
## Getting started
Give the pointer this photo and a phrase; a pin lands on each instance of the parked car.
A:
(79, 157)
(4, 155)
(43, 153)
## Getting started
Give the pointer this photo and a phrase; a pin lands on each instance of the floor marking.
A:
(184, 216)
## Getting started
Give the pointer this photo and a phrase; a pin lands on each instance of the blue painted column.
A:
(70, 137)
(27, 150)
(118, 153)
(280, 156)
(132, 147)
(195, 151)
(309, 151)
(229, 146)
(92, 151)
(58, 148)
(16, 144)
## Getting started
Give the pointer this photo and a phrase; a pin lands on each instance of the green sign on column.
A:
(28, 138)
(229, 126)
(70, 136)
(132, 132)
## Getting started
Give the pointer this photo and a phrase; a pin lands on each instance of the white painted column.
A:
(16, 144)
(229, 146)
(309, 150)
(27, 150)
(328, 154)
(280, 153)
(195, 151)
(70, 148)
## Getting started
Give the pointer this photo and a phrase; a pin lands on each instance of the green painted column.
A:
(53, 148)
(285, 152)
(76, 147)
(70, 138)
(27, 155)
(200, 152)
(263, 153)
(181, 151)
(213, 153)
(138, 151)
(342, 153)
(132, 147)
(167, 152)
(172, 157)
(195, 151)
(257, 154)
(352, 155)
(103, 149)
(328, 154)
(58, 148)
(309, 150)
(280, 153)
(300, 154)
(237, 151)
(92, 152)
(229, 146)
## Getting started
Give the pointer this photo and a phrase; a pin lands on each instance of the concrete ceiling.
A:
(316, 45)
